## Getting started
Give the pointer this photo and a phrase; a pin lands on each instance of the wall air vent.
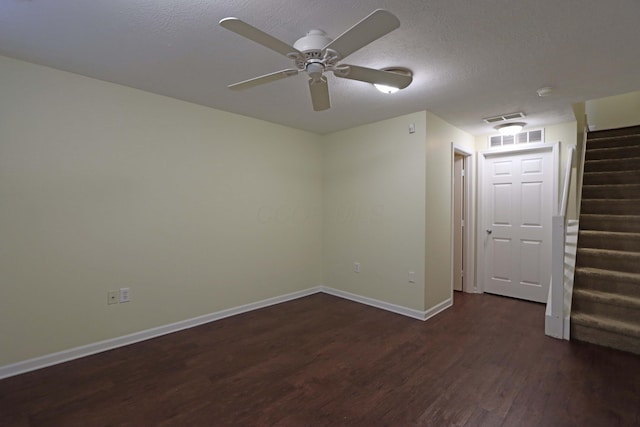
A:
(503, 118)
(527, 137)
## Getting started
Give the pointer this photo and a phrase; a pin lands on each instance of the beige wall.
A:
(199, 210)
(438, 245)
(374, 210)
(614, 111)
(103, 186)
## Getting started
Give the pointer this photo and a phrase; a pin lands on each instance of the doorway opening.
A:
(463, 214)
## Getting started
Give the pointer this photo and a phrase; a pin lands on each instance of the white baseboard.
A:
(409, 312)
(416, 314)
(100, 346)
(567, 328)
(438, 308)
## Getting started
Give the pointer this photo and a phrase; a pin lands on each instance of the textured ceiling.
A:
(471, 59)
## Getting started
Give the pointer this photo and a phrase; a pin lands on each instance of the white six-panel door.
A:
(517, 204)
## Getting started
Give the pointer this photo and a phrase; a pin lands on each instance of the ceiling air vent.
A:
(503, 118)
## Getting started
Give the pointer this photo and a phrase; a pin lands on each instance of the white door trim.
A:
(469, 284)
(554, 148)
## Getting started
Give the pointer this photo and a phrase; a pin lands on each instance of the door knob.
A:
(489, 231)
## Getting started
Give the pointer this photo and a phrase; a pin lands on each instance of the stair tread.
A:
(611, 174)
(609, 298)
(622, 172)
(612, 252)
(619, 275)
(611, 200)
(610, 186)
(605, 323)
(613, 160)
(616, 234)
(613, 148)
(594, 135)
(611, 216)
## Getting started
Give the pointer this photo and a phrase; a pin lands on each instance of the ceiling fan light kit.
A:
(393, 89)
(316, 53)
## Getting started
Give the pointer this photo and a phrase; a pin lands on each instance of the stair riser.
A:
(611, 192)
(616, 243)
(611, 178)
(605, 284)
(614, 134)
(610, 206)
(599, 144)
(605, 338)
(611, 311)
(610, 224)
(624, 263)
(611, 165)
(612, 153)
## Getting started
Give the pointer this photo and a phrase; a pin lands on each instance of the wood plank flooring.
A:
(324, 361)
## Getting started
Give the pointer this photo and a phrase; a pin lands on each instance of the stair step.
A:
(614, 133)
(607, 281)
(606, 304)
(601, 330)
(612, 152)
(609, 259)
(611, 191)
(610, 165)
(611, 177)
(619, 223)
(609, 240)
(601, 322)
(611, 206)
(609, 298)
(614, 141)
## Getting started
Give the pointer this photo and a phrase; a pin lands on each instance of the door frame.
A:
(469, 264)
(483, 155)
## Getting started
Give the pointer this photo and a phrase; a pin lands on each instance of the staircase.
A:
(605, 308)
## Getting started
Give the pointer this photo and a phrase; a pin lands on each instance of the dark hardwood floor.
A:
(324, 361)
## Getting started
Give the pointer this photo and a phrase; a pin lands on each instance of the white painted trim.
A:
(405, 311)
(110, 344)
(100, 346)
(554, 322)
(438, 308)
(567, 328)
(470, 285)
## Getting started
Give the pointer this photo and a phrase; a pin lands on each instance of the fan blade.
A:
(264, 79)
(374, 76)
(319, 94)
(258, 36)
(374, 26)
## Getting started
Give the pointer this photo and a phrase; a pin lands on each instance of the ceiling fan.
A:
(316, 53)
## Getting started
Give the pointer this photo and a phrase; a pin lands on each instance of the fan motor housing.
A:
(311, 44)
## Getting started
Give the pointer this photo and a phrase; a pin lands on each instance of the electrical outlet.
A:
(112, 297)
(125, 294)
(356, 267)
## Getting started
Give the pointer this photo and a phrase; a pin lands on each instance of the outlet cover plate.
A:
(112, 297)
